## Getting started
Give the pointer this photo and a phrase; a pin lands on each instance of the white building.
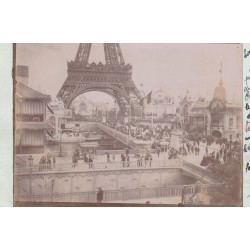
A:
(161, 104)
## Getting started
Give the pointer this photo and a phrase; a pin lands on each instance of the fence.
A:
(201, 171)
(120, 195)
(19, 162)
(117, 165)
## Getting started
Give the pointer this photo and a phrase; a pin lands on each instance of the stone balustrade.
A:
(122, 195)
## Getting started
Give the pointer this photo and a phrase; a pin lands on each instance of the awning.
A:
(32, 138)
(30, 108)
(34, 125)
(89, 145)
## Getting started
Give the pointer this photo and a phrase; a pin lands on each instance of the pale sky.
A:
(170, 67)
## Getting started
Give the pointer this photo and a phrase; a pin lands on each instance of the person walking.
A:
(108, 157)
(73, 161)
(48, 163)
(150, 160)
(196, 150)
(141, 160)
(158, 151)
(99, 196)
(90, 162)
(127, 158)
(146, 158)
(54, 161)
(123, 158)
(138, 162)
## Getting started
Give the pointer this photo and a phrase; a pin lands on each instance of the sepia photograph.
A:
(128, 124)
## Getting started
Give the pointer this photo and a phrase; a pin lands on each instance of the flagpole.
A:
(152, 120)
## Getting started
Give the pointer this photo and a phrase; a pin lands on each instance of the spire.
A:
(221, 82)
(220, 91)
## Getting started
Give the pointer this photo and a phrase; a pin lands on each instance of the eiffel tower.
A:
(113, 78)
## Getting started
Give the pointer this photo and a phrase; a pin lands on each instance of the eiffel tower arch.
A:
(113, 78)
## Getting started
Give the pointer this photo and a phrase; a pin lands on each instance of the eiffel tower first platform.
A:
(113, 78)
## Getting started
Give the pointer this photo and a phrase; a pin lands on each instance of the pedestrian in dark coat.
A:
(99, 195)
(158, 151)
(123, 158)
(108, 157)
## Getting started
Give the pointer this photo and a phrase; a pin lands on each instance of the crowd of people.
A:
(156, 134)
(46, 162)
(142, 131)
(77, 155)
(228, 151)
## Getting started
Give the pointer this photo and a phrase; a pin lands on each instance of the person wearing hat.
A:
(99, 195)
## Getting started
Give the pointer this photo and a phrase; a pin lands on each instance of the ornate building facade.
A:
(217, 117)
(224, 117)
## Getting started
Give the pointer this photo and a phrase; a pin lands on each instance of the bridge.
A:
(38, 183)
(122, 137)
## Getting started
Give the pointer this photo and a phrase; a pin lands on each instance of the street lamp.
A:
(52, 186)
(30, 160)
(60, 153)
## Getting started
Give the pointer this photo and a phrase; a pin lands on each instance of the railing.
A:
(117, 134)
(92, 166)
(20, 162)
(201, 171)
(117, 152)
(212, 188)
(118, 165)
(120, 195)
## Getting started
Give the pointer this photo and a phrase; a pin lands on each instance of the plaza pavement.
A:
(191, 157)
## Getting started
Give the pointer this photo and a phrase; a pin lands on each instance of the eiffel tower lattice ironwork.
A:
(113, 78)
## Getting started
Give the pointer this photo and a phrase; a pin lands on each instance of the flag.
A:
(146, 100)
(149, 99)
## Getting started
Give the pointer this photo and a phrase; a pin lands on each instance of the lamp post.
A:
(52, 188)
(164, 154)
(60, 131)
(129, 111)
(30, 160)
(60, 152)
(107, 112)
